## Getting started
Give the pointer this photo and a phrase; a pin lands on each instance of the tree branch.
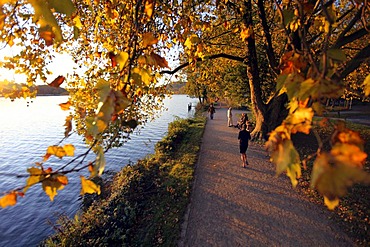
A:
(266, 30)
(221, 55)
(353, 64)
(350, 38)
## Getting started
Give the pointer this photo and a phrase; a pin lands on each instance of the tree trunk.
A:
(258, 107)
(269, 116)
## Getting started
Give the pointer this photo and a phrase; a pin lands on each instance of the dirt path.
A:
(233, 206)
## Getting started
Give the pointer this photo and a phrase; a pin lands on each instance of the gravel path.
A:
(233, 206)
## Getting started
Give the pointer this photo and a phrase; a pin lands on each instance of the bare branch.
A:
(353, 64)
(221, 55)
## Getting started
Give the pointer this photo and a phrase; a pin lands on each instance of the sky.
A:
(61, 65)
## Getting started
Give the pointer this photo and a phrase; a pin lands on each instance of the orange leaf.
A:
(65, 106)
(48, 36)
(149, 7)
(57, 81)
(149, 39)
(8, 200)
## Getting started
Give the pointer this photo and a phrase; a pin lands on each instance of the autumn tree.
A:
(307, 48)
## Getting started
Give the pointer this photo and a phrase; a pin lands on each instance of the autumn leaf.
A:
(69, 149)
(65, 106)
(160, 61)
(149, 39)
(36, 175)
(149, 8)
(48, 36)
(300, 120)
(122, 59)
(331, 176)
(57, 81)
(142, 75)
(246, 33)
(60, 152)
(68, 126)
(366, 85)
(113, 58)
(88, 186)
(100, 160)
(8, 200)
(103, 90)
(54, 183)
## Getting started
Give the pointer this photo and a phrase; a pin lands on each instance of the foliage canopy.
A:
(311, 50)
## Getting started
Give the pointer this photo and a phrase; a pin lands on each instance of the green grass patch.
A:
(143, 204)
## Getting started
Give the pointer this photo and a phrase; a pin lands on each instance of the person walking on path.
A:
(244, 136)
(211, 110)
(230, 117)
(230, 206)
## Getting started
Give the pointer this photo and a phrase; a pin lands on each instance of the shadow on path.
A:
(233, 206)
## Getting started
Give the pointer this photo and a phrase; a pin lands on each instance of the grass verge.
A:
(353, 212)
(143, 204)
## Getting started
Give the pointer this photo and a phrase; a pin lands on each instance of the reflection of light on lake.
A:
(25, 134)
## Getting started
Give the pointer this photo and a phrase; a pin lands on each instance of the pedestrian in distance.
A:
(244, 137)
(230, 117)
(211, 110)
(242, 121)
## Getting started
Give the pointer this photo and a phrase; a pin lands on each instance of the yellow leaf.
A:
(188, 43)
(69, 149)
(77, 22)
(65, 106)
(143, 75)
(331, 177)
(149, 39)
(88, 186)
(348, 154)
(331, 204)
(293, 172)
(245, 33)
(100, 160)
(57, 151)
(8, 200)
(149, 8)
(366, 85)
(300, 120)
(103, 90)
(52, 184)
(122, 59)
(36, 175)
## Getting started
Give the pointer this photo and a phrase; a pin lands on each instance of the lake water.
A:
(26, 130)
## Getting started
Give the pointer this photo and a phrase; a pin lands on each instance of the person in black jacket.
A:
(244, 136)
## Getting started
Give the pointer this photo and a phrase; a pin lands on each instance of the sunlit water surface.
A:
(26, 130)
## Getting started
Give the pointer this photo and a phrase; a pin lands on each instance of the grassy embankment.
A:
(353, 212)
(143, 204)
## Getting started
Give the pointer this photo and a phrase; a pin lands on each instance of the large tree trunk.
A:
(258, 107)
(269, 116)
